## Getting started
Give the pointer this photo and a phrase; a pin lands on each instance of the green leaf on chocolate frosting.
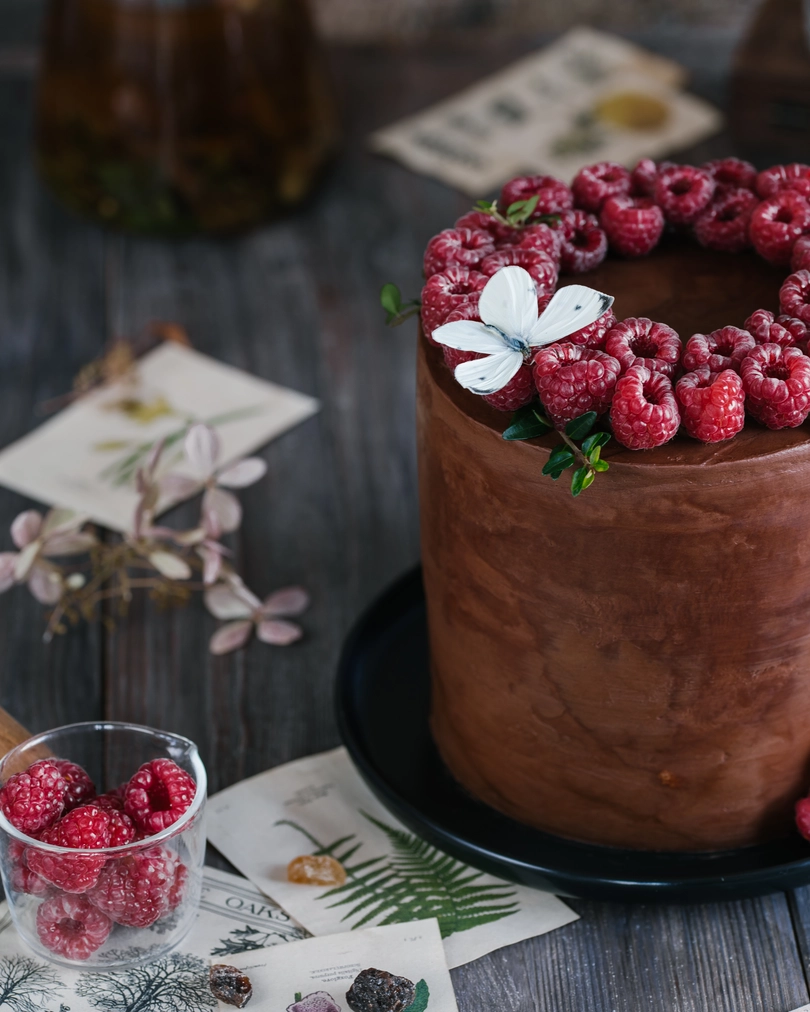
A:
(582, 478)
(578, 428)
(527, 423)
(561, 458)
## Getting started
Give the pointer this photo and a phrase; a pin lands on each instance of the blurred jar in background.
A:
(178, 116)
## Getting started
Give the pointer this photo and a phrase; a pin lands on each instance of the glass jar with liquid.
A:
(181, 116)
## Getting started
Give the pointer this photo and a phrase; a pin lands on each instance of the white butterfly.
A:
(511, 326)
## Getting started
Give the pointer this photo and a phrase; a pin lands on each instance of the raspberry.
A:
(122, 828)
(583, 244)
(553, 195)
(783, 177)
(777, 223)
(157, 795)
(639, 341)
(456, 247)
(633, 225)
(539, 238)
(777, 385)
(683, 193)
(135, 890)
(480, 221)
(800, 258)
(112, 801)
(784, 330)
(72, 927)
(794, 296)
(644, 412)
(572, 379)
(34, 799)
(595, 183)
(712, 404)
(178, 889)
(724, 224)
(595, 334)
(541, 267)
(80, 788)
(643, 178)
(722, 349)
(803, 817)
(445, 292)
(85, 828)
(23, 880)
(731, 173)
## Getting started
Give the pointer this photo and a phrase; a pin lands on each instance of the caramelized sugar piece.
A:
(230, 985)
(316, 869)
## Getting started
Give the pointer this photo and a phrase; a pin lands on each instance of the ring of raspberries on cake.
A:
(558, 356)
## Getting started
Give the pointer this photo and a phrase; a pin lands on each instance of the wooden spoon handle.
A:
(11, 733)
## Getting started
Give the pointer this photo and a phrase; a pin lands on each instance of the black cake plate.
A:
(382, 707)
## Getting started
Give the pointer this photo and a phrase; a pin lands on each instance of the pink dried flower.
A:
(232, 600)
(40, 539)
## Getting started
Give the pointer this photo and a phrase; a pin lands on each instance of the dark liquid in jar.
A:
(181, 117)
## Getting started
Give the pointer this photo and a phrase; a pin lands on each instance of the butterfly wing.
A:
(490, 374)
(571, 309)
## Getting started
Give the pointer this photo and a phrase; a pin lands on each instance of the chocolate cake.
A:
(631, 667)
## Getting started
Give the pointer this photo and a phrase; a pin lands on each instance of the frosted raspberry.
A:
(777, 223)
(639, 341)
(794, 296)
(583, 244)
(553, 195)
(722, 349)
(72, 927)
(633, 225)
(572, 379)
(540, 238)
(80, 788)
(595, 334)
(643, 178)
(683, 193)
(34, 799)
(595, 183)
(85, 828)
(784, 330)
(644, 412)
(800, 257)
(456, 247)
(731, 173)
(777, 385)
(445, 292)
(725, 222)
(783, 177)
(540, 266)
(136, 890)
(712, 404)
(157, 795)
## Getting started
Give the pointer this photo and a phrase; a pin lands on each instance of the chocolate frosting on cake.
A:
(631, 667)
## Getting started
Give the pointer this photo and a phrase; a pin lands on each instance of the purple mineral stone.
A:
(319, 1001)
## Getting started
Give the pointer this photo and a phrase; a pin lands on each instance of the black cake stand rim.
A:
(404, 771)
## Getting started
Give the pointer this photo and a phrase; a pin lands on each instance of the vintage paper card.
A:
(590, 96)
(320, 805)
(86, 457)
(314, 976)
(233, 918)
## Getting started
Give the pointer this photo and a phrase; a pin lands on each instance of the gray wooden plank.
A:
(733, 957)
(51, 323)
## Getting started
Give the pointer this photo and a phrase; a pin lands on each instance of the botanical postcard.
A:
(319, 805)
(314, 976)
(588, 97)
(86, 458)
(234, 918)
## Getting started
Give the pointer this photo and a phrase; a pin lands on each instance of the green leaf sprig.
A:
(397, 311)
(529, 422)
(517, 214)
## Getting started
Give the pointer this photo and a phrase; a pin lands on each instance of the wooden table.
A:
(296, 302)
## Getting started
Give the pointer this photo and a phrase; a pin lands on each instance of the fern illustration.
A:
(414, 882)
